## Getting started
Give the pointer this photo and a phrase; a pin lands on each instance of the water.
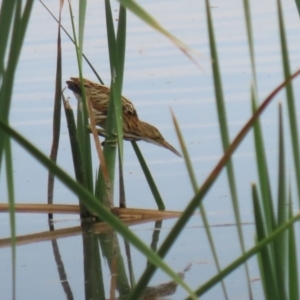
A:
(157, 77)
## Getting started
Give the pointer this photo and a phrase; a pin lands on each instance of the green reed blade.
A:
(11, 202)
(248, 19)
(298, 6)
(19, 27)
(56, 112)
(11, 17)
(293, 276)
(116, 76)
(76, 153)
(81, 23)
(290, 97)
(149, 178)
(267, 259)
(280, 244)
(6, 19)
(263, 172)
(82, 114)
(114, 122)
(147, 18)
(121, 40)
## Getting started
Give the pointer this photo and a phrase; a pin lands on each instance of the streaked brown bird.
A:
(133, 128)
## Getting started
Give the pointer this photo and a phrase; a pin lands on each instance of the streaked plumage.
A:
(133, 128)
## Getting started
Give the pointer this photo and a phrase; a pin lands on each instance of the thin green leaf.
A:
(293, 277)
(76, 153)
(150, 180)
(263, 173)
(116, 75)
(280, 244)
(82, 118)
(141, 13)
(7, 78)
(56, 112)
(6, 19)
(267, 265)
(12, 213)
(290, 97)
(82, 13)
(247, 12)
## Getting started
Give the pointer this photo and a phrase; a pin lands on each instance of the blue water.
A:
(157, 77)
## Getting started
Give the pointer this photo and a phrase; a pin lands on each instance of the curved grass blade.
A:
(141, 13)
(196, 200)
(95, 206)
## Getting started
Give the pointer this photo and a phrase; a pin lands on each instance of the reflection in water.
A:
(165, 289)
(155, 236)
(93, 278)
(60, 266)
(106, 245)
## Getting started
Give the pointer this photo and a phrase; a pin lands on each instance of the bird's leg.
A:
(112, 140)
(102, 132)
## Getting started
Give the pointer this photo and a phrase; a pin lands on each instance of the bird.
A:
(133, 128)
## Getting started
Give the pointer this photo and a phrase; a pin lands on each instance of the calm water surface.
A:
(157, 77)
